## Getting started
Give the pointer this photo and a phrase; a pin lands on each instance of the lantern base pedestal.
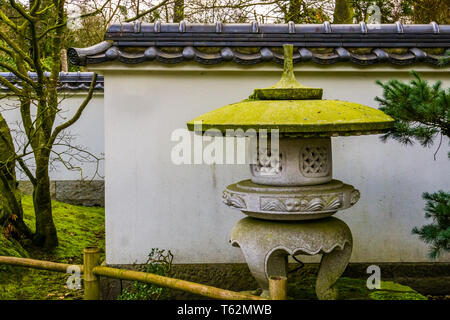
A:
(266, 246)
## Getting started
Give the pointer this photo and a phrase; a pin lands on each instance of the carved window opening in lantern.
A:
(268, 162)
(314, 161)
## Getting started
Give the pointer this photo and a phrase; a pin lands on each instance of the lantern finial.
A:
(288, 88)
(288, 78)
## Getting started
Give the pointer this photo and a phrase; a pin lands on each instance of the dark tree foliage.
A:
(301, 11)
(389, 11)
(422, 112)
(407, 11)
(425, 11)
(437, 233)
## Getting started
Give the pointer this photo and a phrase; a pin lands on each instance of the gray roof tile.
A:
(140, 42)
(71, 81)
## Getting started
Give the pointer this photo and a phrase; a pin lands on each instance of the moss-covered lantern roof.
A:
(295, 110)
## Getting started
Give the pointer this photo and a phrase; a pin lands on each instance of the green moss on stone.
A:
(10, 247)
(288, 88)
(295, 93)
(394, 291)
(295, 116)
(209, 50)
(247, 50)
(354, 289)
(292, 108)
(362, 51)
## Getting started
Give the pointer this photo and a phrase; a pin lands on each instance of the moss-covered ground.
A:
(354, 289)
(78, 227)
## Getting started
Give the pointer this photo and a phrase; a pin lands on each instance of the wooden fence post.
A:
(277, 288)
(91, 281)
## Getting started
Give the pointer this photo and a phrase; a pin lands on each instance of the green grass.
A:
(78, 227)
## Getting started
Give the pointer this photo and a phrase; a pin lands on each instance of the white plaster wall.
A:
(88, 131)
(151, 202)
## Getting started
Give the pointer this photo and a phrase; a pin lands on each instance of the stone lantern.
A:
(291, 195)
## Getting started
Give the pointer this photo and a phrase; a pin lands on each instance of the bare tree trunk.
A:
(64, 66)
(343, 12)
(45, 235)
(293, 13)
(11, 212)
(42, 26)
(178, 11)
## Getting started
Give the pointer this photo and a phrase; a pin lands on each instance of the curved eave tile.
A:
(340, 54)
(79, 56)
(63, 87)
(68, 81)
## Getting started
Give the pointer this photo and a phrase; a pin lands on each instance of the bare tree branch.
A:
(140, 15)
(77, 115)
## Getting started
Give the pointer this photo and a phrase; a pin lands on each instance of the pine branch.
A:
(437, 233)
(421, 110)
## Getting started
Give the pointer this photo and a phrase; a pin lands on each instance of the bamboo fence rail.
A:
(92, 271)
(37, 264)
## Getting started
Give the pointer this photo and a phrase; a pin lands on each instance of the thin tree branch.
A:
(44, 10)
(8, 21)
(17, 73)
(22, 11)
(16, 48)
(140, 15)
(439, 146)
(20, 160)
(35, 7)
(10, 86)
(77, 115)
